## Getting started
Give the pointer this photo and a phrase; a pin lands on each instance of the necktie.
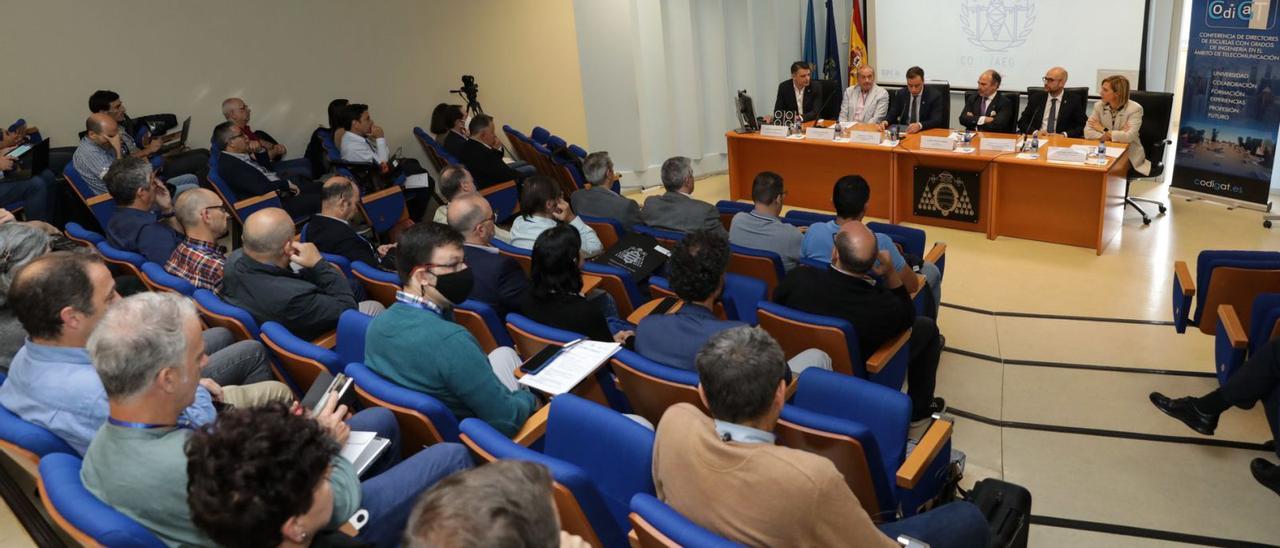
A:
(915, 110)
(1053, 116)
(983, 111)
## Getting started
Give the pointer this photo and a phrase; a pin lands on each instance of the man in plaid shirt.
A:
(199, 259)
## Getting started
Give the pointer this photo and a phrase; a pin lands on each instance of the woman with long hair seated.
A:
(555, 292)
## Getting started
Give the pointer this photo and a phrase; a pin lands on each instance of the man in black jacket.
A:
(797, 89)
(878, 311)
(332, 233)
(1052, 111)
(483, 153)
(247, 178)
(277, 279)
(916, 106)
(988, 110)
(499, 280)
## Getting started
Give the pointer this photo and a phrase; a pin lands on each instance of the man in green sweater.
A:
(414, 345)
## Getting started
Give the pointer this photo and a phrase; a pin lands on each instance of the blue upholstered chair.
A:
(862, 427)
(760, 264)
(100, 205)
(656, 525)
(522, 256)
(540, 135)
(1224, 277)
(618, 283)
(738, 301)
(219, 313)
(668, 238)
(433, 149)
(241, 209)
(83, 235)
(608, 230)
(125, 262)
(157, 279)
(83, 516)
(652, 387)
(797, 331)
(423, 419)
(729, 208)
(1234, 342)
(483, 323)
(29, 442)
(303, 361)
(379, 284)
(530, 337)
(598, 458)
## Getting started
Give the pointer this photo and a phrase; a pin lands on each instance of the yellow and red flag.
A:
(858, 54)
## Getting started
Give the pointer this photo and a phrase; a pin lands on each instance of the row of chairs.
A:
(503, 197)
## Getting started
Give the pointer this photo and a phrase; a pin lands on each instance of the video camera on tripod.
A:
(470, 91)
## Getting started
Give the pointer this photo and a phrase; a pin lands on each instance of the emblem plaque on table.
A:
(947, 194)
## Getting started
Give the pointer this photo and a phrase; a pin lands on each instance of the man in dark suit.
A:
(796, 95)
(988, 110)
(499, 281)
(600, 200)
(247, 178)
(916, 106)
(878, 311)
(483, 153)
(1052, 112)
(332, 233)
(676, 209)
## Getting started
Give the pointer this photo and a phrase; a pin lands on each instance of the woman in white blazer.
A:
(1116, 118)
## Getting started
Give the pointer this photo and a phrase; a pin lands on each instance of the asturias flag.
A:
(831, 59)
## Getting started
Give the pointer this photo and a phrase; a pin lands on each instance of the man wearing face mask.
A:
(433, 279)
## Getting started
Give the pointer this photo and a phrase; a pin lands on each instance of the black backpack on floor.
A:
(1007, 507)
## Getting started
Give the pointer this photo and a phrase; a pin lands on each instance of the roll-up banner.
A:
(1227, 137)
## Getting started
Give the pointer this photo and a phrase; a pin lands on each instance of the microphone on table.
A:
(1035, 116)
(823, 107)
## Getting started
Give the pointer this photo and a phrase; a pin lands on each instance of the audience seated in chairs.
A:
(248, 178)
(877, 311)
(697, 268)
(762, 227)
(499, 280)
(60, 299)
(105, 142)
(198, 258)
(676, 209)
(555, 294)
(143, 222)
(332, 232)
(193, 162)
(449, 126)
(36, 191)
(147, 352)
(725, 473)
(455, 181)
(264, 148)
(600, 200)
(20, 243)
(483, 155)
(542, 206)
(850, 195)
(1256, 380)
(365, 142)
(261, 278)
(434, 278)
(474, 508)
(316, 153)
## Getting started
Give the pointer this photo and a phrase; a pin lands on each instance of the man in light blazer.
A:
(988, 110)
(600, 200)
(918, 107)
(865, 102)
(676, 209)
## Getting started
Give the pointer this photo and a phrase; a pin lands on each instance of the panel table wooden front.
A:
(910, 155)
(810, 168)
(1080, 205)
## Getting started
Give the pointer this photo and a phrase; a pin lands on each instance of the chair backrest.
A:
(302, 361)
(384, 208)
(83, 235)
(741, 296)
(379, 284)
(608, 230)
(540, 135)
(27, 441)
(423, 419)
(429, 147)
(157, 279)
(518, 141)
(828, 103)
(660, 287)
(350, 336)
(652, 387)
(668, 238)
(1015, 98)
(100, 205)
(1235, 278)
(806, 218)
(343, 263)
(944, 91)
(846, 445)
(562, 169)
(219, 313)
(503, 198)
(618, 283)
(522, 256)
(1157, 108)
(483, 323)
(657, 525)
(127, 262)
(729, 208)
(760, 264)
(83, 516)
(912, 240)
(797, 331)
(1264, 320)
(531, 337)
(240, 209)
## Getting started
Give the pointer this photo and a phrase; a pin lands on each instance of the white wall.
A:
(288, 59)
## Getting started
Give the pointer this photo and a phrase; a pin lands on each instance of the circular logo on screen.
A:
(997, 25)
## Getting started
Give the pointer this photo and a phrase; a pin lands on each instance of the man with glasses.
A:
(199, 259)
(762, 227)
(434, 278)
(1052, 112)
(248, 178)
(184, 162)
(499, 280)
(262, 145)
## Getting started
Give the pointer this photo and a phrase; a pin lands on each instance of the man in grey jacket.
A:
(600, 200)
(278, 279)
(676, 209)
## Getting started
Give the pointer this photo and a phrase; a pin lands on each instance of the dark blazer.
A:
(568, 312)
(453, 143)
(877, 314)
(307, 303)
(499, 280)
(600, 201)
(247, 182)
(675, 211)
(786, 100)
(931, 115)
(1000, 109)
(674, 339)
(336, 237)
(1071, 114)
(485, 164)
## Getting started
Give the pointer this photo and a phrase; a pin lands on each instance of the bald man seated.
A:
(264, 148)
(331, 230)
(103, 143)
(1051, 111)
(278, 279)
(499, 280)
(879, 311)
(198, 258)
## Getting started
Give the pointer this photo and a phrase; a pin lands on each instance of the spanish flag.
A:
(858, 54)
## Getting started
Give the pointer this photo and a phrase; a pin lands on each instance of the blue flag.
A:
(830, 58)
(810, 39)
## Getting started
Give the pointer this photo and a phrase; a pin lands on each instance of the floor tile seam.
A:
(1082, 366)
(1059, 317)
(1140, 532)
(1106, 433)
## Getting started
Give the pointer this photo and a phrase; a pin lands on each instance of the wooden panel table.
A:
(910, 155)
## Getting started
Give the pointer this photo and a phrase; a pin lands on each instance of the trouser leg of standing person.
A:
(390, 496)
(922, 366)
(959, 524)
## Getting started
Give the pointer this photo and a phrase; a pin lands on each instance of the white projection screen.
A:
(955, 40)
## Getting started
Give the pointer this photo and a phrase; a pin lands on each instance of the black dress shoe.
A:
(938, 405)
(1266, 473)
(1184, 409)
